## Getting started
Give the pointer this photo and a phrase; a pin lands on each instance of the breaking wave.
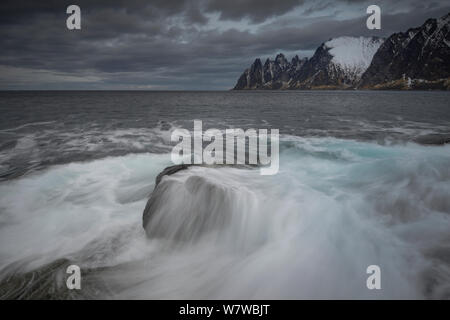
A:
(336, 207)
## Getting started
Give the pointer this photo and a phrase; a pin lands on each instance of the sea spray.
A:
(336, 207)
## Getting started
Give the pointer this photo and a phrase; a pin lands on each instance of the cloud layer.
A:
(175, 44)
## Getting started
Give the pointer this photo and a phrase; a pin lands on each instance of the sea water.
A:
(354, 189)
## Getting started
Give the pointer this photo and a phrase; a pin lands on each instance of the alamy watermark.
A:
(374, 20)
(73, 22)
(374, 280)
(74, 280)
(235, 147)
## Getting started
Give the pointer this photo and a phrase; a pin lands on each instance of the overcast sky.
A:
(176, 44)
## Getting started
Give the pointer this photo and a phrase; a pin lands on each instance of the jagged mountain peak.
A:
(280, 58)
(420, 54)
(257, 62)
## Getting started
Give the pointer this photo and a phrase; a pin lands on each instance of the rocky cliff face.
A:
(419, 55)
(416, 59)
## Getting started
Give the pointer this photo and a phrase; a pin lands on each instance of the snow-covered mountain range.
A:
(416, 59)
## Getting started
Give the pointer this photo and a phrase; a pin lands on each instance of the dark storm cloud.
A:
(173, 44)
(255, 10)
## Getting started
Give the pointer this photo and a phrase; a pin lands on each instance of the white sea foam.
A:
(335, 207)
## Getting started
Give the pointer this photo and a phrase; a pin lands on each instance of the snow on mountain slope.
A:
(353, 55)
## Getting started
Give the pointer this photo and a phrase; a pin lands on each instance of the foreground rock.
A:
(175, 203)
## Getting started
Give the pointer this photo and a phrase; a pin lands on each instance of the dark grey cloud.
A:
(167, 44)
(255, 10)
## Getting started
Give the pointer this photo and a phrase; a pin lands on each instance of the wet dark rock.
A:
(433, 139)
(159, 195)
(164, 125)
(170, 170)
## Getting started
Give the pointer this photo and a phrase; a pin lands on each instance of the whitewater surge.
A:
(336, 207)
